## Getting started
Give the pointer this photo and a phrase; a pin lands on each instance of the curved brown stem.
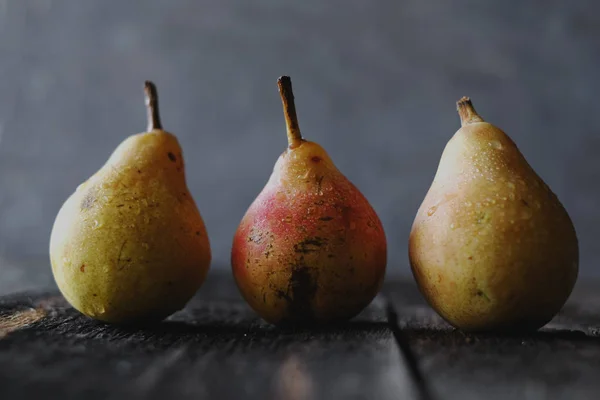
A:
(467, 112)
(152, 106)
(289, 111)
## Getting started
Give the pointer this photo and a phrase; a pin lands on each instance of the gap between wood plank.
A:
(407, 353)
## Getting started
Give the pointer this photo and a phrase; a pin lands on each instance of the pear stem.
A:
(467, 112)
(289, 111)
(152, 106)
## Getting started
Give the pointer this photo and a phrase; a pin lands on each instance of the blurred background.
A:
(375, 82)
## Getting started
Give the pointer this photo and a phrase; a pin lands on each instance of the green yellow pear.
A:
(129, 245)
(491, 247)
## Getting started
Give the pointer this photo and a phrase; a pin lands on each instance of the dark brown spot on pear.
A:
(299, 295)
(310, 245)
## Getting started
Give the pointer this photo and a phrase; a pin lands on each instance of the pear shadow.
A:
(255, 327)
(245, 329)
(452, 336)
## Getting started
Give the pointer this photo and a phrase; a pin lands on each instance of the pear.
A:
(491, 247)
(310, 249)
(129, 245)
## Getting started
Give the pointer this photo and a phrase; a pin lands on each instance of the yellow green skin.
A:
(491, 247)
(130, 245)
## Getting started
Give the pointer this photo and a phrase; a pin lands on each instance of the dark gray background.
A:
(376, 84)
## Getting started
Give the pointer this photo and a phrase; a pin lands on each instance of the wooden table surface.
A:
(398, 348)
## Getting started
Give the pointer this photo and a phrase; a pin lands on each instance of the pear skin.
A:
(310, 248)
(491, 247)
(129, 245)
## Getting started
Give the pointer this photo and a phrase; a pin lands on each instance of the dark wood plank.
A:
(561, 361)
(216, 347)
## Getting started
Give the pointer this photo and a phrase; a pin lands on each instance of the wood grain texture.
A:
(216, 347)
(561, 361)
